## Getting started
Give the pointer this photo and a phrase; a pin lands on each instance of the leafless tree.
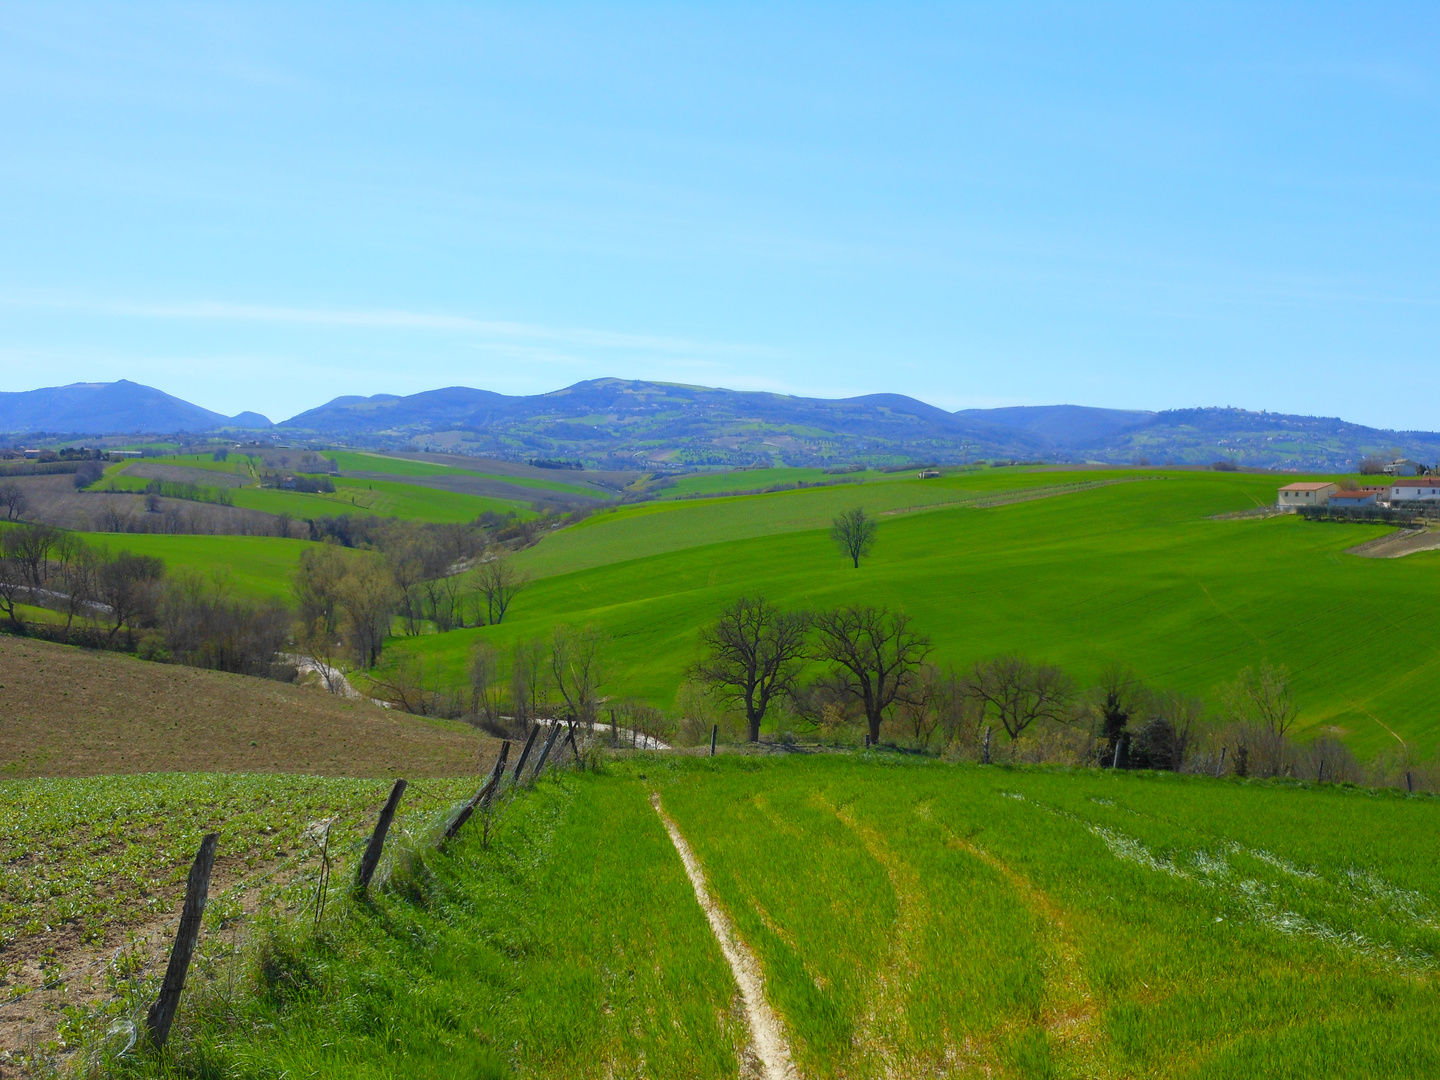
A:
(1370, 465)
(1260, 703)
(13, 590)
(30, 545)
(129, 586)
(1017, 692)
(935, 703)
(1184, 716)
(403, 685)
(368, 597)
(317, 587)
(577, 668)
(529, 677)
(486, 681)
(873, 653)
(13, 500)
(498, 582)
(754, 652)
(79, 582)
(854, 534)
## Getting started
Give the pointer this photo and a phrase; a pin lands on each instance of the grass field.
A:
(733, 480)
(256, 567)
(1135, 572)
(911, 919)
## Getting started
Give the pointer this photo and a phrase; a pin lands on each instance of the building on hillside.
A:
(1365, 496)
(929, 474)
(1405, 467)
(1306, 494)
(1415, 489)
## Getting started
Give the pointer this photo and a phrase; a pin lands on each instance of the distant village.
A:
(1410, 483)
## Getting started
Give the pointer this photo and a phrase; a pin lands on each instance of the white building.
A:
(1415, 489)
(1306, 494)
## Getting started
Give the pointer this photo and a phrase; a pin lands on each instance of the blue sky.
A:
(262, 207)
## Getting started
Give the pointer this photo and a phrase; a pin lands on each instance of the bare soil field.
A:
(1398, 544)
(185, 475)
(66, 711)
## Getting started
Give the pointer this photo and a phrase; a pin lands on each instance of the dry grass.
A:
(66, 711)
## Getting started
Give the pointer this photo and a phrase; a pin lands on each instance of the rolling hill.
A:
(625, 425)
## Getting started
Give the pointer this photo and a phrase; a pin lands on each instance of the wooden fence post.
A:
(499, 772)
(525, 753)
(1219, 769)
(987, 744)
(1409, 782)
(714, 733)
(371, 859)
(545, 750)
(1116, 763)
(574, 747)
(484, 793)
(197, 890)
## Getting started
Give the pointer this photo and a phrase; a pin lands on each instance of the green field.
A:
(910, 919)
(1135, 572)
(256, 567)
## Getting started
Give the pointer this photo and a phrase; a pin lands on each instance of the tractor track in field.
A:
(767, 1035)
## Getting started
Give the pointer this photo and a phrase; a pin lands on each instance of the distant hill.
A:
(620, 423)
(118, 408)
(627, 424)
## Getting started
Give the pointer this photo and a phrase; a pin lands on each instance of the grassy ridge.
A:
(657, 527)
(1134, 572)
(1048, 924)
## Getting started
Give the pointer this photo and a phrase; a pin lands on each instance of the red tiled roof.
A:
(1305, 487)
(1416, 481)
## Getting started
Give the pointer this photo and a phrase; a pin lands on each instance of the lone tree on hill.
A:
(854, 534)
(874, 655)
(754, 653)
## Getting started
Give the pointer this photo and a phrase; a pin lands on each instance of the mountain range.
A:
(628, 423)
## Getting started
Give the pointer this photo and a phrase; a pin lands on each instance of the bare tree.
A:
(320, 642)
(754, 652)
(79, 582)
(1370, 465)
(30, 545)
(403, 686)
(13, 590)
(497, 581)
(935, 703)
(577, 669)
(529, 677)
(873, 654)
(368, 597)
(1017, 692)
(854, 534)
(1259, 701)
(129, 585)
(317, 587)
(486, 681)
(13, 500)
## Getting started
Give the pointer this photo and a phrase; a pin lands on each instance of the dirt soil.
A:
(66, 711)
(1398, 544)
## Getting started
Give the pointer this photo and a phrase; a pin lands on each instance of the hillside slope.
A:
(73, 712)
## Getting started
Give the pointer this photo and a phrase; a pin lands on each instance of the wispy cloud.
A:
(392, 319)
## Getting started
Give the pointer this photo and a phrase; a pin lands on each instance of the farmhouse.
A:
(1306, 494)
(1365, 496)
(1415, 489)
(1405, 467)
